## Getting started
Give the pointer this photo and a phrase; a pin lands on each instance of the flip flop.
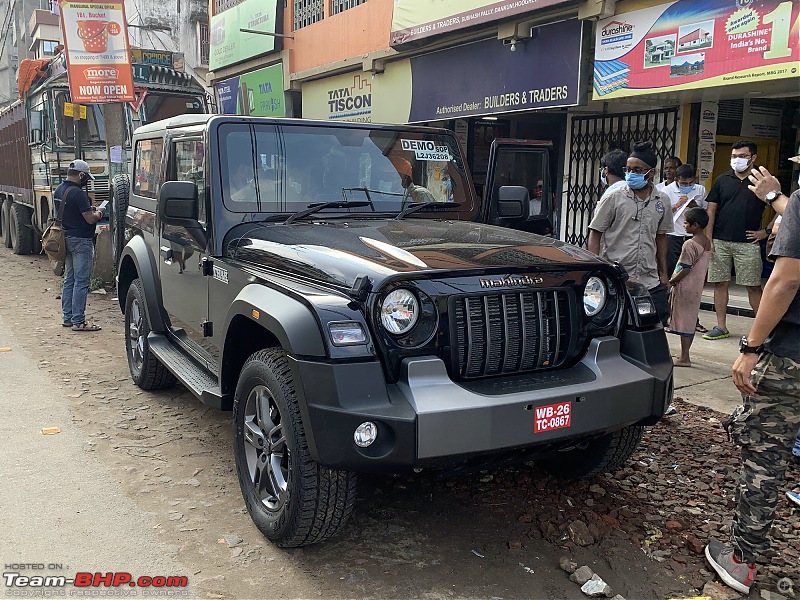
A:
(716, 334)
(700, 329)
(86, 327)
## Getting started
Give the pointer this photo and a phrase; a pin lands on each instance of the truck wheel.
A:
(605, 454)
(21, 232)
(291, 499)
(119, 207)
(146, 371)
(7, 223)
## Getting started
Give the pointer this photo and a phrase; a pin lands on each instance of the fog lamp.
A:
(645, 306)
(365, 434)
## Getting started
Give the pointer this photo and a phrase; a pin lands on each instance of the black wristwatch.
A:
(745, 348)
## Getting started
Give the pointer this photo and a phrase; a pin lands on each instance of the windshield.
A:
(92, 130)
(268, 168)
(158, 106)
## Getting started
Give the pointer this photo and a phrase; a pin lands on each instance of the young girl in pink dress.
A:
(687, 282)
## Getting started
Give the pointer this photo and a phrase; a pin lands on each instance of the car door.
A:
(183, 284)
(523, 163)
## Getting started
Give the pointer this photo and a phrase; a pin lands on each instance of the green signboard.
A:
(230, 45)
(258, 93)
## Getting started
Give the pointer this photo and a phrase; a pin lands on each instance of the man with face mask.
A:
(735, 226)
(79, 224)
(633, 222)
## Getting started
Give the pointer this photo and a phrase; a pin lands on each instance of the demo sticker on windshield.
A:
(552, 416)
(426, 150)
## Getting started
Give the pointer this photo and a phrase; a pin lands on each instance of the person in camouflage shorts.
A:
(767, 373)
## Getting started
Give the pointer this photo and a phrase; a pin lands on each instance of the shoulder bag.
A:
(53, 242)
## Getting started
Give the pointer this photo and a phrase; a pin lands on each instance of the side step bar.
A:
(196, 378)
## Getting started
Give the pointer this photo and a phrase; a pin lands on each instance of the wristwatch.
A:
(745, 348)
(768, 230)
(771, 197)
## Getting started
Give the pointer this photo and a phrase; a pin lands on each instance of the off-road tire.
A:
(317, 501)
(20, 228)
(146, 370)
(605, 454)
(116, 218)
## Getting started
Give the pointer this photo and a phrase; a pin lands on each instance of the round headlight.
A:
(399, 311)
(594, 296)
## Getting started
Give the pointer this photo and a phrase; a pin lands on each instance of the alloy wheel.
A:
(265, 448)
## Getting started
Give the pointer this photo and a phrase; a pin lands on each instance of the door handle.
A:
(166, 253)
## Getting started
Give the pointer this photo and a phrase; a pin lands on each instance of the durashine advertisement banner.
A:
(230, 45)
(418, 19)
(98, 58)
(543, 72)
(694, 44)
(258, 94)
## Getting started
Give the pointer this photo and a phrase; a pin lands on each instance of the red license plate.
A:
(552, 416)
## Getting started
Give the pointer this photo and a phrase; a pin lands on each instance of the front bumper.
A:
(427, 419)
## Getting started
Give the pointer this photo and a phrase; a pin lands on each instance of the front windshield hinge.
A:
(206, 266)
(361, 288)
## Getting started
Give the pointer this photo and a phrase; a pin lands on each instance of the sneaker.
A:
(716, 333)
(794, 497)
(736, 574)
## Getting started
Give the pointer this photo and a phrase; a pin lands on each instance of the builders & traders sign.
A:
(98, 59)
(691, 44)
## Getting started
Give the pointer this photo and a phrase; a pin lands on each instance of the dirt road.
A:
(495, 534)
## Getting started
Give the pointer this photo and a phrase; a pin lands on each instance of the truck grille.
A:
(500, 334)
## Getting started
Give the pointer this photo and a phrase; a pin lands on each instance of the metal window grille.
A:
(593, 136)
(223, 5)
(307, 12)
(203, 39)
(338, 6)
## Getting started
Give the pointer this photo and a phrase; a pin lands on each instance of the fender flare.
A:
(294, 324)
(137, 253)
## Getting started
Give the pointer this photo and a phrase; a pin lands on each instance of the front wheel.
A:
(146, 371)
(291, 499)
(605, 454)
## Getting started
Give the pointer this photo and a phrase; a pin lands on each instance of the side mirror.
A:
(513, 202)
(35, 120)
(179, 205)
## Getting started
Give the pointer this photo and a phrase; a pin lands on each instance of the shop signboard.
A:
(258, 93)
(542, 72)
(230, 45)
(694, 44)
(98, 58)
(419, 19)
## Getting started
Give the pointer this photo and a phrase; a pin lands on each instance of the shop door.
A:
(593, 136)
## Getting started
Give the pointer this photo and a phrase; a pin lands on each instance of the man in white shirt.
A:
(612, 173)
(671, 165)
(683, 194)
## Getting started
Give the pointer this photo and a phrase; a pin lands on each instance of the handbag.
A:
(53, 242)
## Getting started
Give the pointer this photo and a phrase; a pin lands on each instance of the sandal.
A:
(67, 324)
(86, 327)
(700, 329)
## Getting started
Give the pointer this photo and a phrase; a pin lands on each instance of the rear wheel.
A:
(21, 231)
(602, 455)
(146, 371)
(6, 218)
(291, 499)
(119, 208)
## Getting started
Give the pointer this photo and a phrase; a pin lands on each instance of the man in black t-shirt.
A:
(79, 223)
(768, 374)
(734, 224)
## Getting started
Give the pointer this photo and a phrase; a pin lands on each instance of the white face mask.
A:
(740, 164)
(798, 180)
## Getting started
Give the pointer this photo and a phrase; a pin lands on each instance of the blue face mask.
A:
(686, 188)
(636, 181)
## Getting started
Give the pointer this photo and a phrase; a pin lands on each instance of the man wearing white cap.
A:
(79, 223)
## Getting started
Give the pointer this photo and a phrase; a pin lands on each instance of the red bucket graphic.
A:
(94, 35)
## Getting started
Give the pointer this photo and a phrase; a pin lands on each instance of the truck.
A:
(345, 293)
(37, 141)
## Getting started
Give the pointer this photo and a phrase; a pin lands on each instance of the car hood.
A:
(337, 252)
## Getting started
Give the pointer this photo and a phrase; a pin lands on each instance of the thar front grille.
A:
(500, 334)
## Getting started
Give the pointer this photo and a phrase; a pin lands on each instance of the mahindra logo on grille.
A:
(511, 281)
(100, 74)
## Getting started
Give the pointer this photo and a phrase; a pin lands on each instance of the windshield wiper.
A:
(412, 208)
(312, 208)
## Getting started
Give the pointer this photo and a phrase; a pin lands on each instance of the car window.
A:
(148, 162)
(189, 165)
